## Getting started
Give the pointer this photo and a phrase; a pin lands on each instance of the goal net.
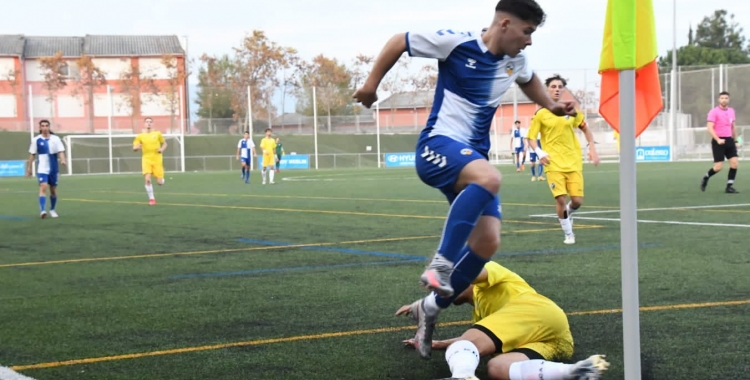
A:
(105, 154)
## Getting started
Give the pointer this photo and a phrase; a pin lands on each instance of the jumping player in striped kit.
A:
(474, 71)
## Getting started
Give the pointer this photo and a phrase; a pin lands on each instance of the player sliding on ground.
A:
(152, 145)
(526, 332)
(474, 71)
(562, 159)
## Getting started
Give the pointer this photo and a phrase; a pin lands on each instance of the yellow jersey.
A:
(559, 140)
(268, 146)
(150, 142)
(502, 285)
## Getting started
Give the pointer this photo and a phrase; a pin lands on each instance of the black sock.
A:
(710, 173)
(732, 175)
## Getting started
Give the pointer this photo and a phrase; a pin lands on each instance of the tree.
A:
(256, 65)
(175, 82)
(13, 79)
(55, 70)
(135, 84)
(718, 39)
(214, 97)
(90, 76)
(424, 81)
(396, 80)
(331, 80)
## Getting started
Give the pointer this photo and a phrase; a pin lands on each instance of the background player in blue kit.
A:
(536, 173)
(245, 153)
(517, 146)
(474, 71)
(44, 150)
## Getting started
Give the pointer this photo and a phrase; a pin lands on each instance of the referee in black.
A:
(724, 134)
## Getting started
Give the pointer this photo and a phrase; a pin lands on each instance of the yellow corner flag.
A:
(630, 44)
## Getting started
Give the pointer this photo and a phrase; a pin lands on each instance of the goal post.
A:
(113, 154)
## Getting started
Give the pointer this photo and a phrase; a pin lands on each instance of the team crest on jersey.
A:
(509, 69)
(466, 151)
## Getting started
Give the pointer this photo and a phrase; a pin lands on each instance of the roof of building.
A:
(91, 45)
(11, 45)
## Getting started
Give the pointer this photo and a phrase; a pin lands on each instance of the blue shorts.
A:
(50, 179)
(532, 157)
(439, 161)
(519, 150)
(245, 160)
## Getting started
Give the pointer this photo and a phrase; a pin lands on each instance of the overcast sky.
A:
(569, 42)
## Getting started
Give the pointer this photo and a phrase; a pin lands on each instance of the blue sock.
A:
(42, 202)
(464, 273)
(518, 162)
(533, 171)
(541, 169)
(462, 216)
(243, 172)
(52, 202)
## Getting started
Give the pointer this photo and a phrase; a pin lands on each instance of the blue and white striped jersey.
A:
(245, 147)
(470, 85)
(46, 150)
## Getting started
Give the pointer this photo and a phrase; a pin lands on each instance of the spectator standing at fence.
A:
(723, 136)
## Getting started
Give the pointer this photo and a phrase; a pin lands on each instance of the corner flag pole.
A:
(630, 100)
(629, 229)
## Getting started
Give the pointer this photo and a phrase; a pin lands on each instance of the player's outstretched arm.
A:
(392, 51)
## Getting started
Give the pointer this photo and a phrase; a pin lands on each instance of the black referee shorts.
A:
(728, 149)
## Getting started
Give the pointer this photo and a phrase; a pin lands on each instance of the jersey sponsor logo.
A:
(472, 63)
(435, 158)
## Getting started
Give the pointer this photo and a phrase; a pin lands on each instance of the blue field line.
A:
(340, 250)
(13, 218)
(291, 269)
(570, 250)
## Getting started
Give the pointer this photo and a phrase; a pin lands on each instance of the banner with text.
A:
(12, 168)
(399, 160)
(652, 153)
(292, 161)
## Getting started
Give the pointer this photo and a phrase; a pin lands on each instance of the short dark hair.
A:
(555, 77)
(247, 132)
(724, 93)
(148, 118)
(517, 122)
(44, 121)
(268, 129)
(526, 10)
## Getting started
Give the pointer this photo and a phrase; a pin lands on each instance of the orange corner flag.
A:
(630, 44)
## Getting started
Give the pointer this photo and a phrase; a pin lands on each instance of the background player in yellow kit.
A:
(526, 332)
(563, 159)
(152, 145)
(268, 146)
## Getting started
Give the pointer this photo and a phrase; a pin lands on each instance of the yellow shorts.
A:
(153, 166)
(562, 183)
(269, 160)
(530, 322)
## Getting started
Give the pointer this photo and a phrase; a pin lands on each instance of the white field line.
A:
(642, 209)
(9, 374)
(664, 222)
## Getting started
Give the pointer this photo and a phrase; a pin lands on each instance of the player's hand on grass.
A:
(564, 108)
(366, 95)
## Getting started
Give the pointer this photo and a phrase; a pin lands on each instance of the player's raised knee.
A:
(481, 173)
